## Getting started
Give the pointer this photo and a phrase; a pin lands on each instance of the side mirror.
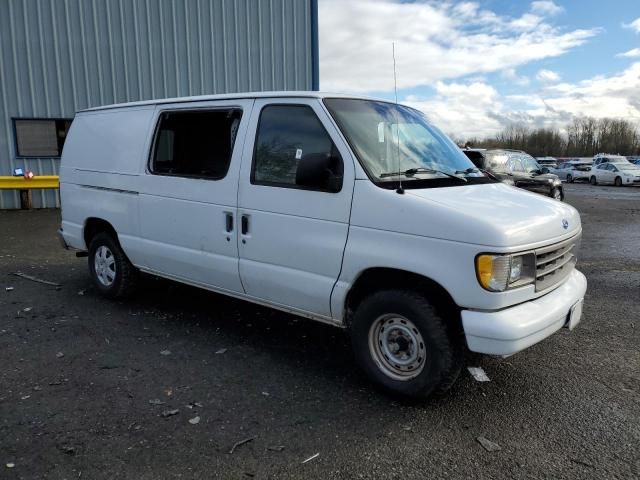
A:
(321, 171)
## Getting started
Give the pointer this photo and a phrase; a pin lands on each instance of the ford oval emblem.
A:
(565, 223)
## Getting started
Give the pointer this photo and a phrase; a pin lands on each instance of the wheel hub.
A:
(397, 347)
(104, 264)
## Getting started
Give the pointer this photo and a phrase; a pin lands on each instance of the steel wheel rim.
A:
(397, 347)
(104, 264)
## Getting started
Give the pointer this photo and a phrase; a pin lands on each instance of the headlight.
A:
(498, 273)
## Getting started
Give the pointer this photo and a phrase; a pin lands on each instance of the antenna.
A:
(400, 190)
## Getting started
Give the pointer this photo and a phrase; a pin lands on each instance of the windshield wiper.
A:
(412, 171)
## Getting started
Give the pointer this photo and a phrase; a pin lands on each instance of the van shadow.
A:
(306, 360)
(289, 348)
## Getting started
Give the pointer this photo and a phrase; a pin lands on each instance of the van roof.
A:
(227, 96)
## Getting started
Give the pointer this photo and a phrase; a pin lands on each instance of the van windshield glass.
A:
(394, 142)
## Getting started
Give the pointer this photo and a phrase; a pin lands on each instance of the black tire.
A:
(569, 178)
(443, 349)
(125, 275)
(618, 182)
(557, 194)
(593, 180)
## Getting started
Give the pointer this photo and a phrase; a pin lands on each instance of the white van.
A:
(350, 211)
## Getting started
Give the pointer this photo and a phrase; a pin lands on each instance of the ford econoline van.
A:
(350, 211)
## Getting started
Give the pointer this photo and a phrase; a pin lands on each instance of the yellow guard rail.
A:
(21, 183)
(25, 185)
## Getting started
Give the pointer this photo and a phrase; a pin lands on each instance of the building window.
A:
(40, 137)
(285, 134)
(195, 144)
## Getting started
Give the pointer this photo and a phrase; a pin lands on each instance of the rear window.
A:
(195, 144)
(496, 161)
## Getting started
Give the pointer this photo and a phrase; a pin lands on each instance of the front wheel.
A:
(556, 194)
(593, 180)
(569, 178)
(618, 182)
(110, 269)
(404, 345)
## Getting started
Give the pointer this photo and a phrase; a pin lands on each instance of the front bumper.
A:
(513, 329)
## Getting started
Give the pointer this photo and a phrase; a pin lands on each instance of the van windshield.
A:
(394, 142)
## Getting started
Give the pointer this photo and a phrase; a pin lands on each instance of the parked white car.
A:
(572, 171)
(618, 174)
(608, 158)
(353, 212)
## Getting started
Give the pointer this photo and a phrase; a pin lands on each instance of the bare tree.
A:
(583, 137)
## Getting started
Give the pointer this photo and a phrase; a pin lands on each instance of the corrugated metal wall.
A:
(60, 56)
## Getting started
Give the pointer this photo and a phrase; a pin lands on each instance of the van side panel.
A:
(101, 163)
(183, 220)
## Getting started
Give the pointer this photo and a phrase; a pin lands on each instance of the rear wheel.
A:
(110, 269)
(404, 345)
(556, 193)
(618, 182)
(593, 180)
(569, 178)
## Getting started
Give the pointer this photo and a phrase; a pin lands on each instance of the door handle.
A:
(229, 222)
(244, 224)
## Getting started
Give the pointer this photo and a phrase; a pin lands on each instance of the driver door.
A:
(607, 173)
(520, 178)
(292, 237)
(613, 172)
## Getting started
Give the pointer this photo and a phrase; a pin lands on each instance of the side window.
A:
(515, 165)
(196, 143)
(292, 149)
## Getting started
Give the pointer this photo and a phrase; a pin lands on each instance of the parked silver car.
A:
(573, 171)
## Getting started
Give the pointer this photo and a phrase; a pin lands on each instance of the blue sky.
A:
(598, 55)
(477, 66)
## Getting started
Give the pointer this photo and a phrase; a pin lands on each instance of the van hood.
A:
(515, 216)
(492, 215)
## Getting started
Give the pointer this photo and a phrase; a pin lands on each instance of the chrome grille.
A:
(555, 262)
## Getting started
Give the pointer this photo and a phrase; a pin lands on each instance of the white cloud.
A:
(478, 110)
(546, 7)
(512, 76)
(462, 109)
(635, 25)
(547, 76)
(635, 52)
(526, 22)
(434, 42)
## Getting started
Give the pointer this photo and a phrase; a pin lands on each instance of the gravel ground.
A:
(78, 375)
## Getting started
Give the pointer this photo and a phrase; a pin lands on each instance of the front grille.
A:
(555, 262)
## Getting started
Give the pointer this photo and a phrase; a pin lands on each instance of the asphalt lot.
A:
(78, 373)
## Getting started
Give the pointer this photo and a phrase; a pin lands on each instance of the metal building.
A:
(61, 56)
